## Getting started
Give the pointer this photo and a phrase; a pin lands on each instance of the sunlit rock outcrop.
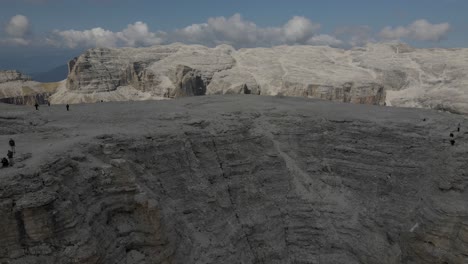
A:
(17, 88)
(391, 74)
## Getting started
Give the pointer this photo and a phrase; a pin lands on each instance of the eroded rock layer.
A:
(17, 88)
(391, 74)
(238, 179)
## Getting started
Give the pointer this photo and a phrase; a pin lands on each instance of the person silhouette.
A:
(10, 157)
(36, 105)
(68, 107)
(5, 163)
(12, 145)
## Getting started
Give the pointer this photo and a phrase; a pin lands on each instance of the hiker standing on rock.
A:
(10, 157)
(68, 107)
(12, 145)
(36, 105)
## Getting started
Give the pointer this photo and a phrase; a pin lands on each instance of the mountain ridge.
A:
(383, 74)
(391, 74)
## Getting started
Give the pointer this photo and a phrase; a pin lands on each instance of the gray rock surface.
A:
(391, 74)
(234, 179)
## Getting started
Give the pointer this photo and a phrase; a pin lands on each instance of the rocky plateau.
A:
(232, 178)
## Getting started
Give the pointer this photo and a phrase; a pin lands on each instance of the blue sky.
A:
(61, 29)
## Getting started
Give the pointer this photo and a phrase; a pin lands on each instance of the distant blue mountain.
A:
(54, 75)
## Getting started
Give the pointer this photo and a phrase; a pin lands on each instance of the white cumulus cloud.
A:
(17, 31)
(220, 30)
(18, 26)
(418, 30)
(96, 37)
(238, 32)
(299, 29)
(135, 35)
(325, 40)
(138, 34)
(234, 30)
(15, 41)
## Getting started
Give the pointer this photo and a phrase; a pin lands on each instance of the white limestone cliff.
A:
(17, 88)
(391, 74)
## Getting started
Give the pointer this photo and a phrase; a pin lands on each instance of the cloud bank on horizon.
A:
(234, 31)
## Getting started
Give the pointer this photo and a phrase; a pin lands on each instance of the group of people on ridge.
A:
(9, 161)
(36, 105)
(452, 136)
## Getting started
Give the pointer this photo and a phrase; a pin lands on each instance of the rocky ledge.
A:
(234, 179)
(17, 88)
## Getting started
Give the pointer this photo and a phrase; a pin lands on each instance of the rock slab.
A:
(235, 179)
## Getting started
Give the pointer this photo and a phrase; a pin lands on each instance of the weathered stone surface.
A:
(139, 74)
(391, 74)
(16, 88)
(235, 179)
(233, 81)
(187, 81)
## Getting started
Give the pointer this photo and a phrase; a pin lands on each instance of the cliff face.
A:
(156, 72)
(234, 179)
(180, 70)
(391, 74)
(16, 88)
